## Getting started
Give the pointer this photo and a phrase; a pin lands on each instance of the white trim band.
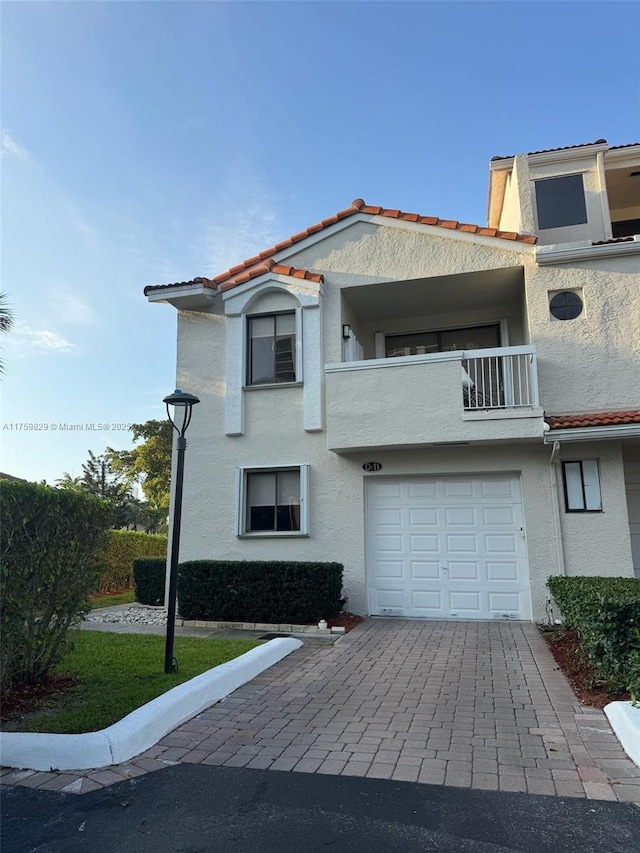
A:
(593, 433)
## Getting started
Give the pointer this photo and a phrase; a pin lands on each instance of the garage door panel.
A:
(447, 547)
(507, 571)
(498, 515)
(420, 517)
(424, 569)
(389, 569)
(500, 543)
(420, 543)
(387, 490)
(388, 517)
(505, 488)
(460, 516)
(387, 542)
(464, 571)
(422, 489)
(457, 543)
(511, 602)
(391, 598)
(468, 600)
(457, 488)
(428, 601)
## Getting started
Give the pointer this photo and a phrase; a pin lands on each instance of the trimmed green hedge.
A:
(605, 612)
(124, 547)
(237, 591)
(52, 543)
(149, 575)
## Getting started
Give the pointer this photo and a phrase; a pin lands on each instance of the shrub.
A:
(149, 574)
(259, 591)
(124, 547)
(605, 612)
(52, 542)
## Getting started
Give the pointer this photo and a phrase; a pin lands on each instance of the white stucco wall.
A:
(598, 542)
(591, 363)
(585, 364)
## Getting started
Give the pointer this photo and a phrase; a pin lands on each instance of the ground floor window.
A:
(582, 486)
(273, 501)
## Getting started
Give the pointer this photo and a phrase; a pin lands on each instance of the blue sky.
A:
(144, 143)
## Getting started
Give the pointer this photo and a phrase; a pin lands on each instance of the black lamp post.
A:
(186, 402)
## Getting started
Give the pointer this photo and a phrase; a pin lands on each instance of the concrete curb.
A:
(144, 727)
(625, 722)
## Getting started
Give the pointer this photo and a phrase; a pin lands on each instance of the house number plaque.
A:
(372, 466)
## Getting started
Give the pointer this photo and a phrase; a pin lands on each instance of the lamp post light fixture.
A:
(185, 402)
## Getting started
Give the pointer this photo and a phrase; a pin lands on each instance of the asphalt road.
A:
(196, 809)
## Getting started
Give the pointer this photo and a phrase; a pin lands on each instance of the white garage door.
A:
(447, 547)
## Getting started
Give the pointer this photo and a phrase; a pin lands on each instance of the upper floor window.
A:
(272, 349)
(560, 202)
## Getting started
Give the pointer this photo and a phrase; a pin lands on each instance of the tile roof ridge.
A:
(237, 274)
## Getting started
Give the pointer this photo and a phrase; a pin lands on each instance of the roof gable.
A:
(252, 267)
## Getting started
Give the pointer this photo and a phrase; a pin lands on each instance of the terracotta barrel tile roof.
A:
(227, 283)
(593, 419)
(235, 275)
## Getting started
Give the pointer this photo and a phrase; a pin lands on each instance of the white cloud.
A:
(23, 339)
(245, 222)
(69, 308)
(13, 149)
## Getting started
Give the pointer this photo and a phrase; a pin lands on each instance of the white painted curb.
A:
(145, 726)
(625, 721)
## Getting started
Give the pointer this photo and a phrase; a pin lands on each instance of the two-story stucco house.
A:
(451, 411)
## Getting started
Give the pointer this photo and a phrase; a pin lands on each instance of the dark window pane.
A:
(566, 306)
(262, 518)
(474, 337)
(262, 367)
(288, 517)
(626, 228)
(412, 344)
(447, 340)
(560, 202)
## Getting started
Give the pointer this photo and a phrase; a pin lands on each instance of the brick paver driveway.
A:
(471, 704)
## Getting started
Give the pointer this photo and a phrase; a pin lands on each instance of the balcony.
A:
(458, 397)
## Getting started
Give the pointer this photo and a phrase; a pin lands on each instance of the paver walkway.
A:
(470, 704)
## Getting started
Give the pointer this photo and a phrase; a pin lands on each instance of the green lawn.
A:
(127, 597)
(120, 672)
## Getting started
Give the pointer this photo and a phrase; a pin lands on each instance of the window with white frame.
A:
(271, 355)
(273, 501)
(582, 486)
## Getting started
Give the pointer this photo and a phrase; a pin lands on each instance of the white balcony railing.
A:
(499, 378)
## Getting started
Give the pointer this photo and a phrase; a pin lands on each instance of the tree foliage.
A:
(52, 543)
(6, 319)
(149, 463)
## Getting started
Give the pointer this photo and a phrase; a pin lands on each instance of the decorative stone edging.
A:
(271, 627)
(624, 719)
(142, 728)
